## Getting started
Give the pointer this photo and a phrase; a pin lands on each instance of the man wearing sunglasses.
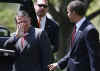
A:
(52, 29)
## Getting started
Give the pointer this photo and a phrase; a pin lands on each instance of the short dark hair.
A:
(29, 9)
(78, 6)
(22, 13)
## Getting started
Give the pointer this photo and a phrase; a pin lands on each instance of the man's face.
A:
(71, 15)
(24, 22)
(41, 8)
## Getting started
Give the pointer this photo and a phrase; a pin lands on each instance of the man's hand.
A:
(19, 31)
(52, 66)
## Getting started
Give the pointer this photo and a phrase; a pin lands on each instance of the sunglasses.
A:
(42, 5)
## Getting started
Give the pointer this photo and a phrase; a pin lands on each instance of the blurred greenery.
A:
(95, 5)
(7, 14)
(8, 11)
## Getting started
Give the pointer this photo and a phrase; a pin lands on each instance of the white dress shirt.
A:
(79, 23)
(42, 22)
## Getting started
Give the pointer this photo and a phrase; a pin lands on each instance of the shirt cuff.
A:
(58, 66)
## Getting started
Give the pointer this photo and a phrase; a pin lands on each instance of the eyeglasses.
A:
(42, 5)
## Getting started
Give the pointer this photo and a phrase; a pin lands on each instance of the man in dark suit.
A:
(52, 29)
(84, 44)
(31, 45)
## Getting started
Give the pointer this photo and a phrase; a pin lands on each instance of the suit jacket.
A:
(52, 30)
(82, 54)
(34, 56)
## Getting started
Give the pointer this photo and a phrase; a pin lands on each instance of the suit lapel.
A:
(25, 43)
(20, 45)
(47, 24)
(78, 34)
(77, 37)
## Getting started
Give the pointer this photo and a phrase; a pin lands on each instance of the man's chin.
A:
(72, 21)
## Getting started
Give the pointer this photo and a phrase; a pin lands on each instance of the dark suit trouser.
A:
(6, 63)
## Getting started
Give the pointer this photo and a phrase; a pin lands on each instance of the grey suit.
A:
(34, 56)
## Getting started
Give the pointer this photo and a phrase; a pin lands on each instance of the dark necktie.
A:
(73, 33)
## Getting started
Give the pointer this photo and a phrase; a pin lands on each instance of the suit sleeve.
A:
(44, 50)
(93, 45)
(10, 43)
(62, 63)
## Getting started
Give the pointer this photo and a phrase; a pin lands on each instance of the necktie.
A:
(39, 22)
(22, 42)
(73, 33)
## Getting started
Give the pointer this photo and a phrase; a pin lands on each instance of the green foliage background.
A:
(8, 12)
(95, 5)
(7, 15)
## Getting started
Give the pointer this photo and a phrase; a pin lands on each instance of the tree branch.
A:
(93, 15)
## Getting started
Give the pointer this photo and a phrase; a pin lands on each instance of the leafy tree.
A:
(57, 9)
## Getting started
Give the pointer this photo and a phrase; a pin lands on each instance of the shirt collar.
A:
(42, 18)
(42, 22)
(79, 23)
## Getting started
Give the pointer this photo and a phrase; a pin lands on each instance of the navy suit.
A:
(52, 30)
(34, 56)
(82, 53)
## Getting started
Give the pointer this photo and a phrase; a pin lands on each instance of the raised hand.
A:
(20, 30)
